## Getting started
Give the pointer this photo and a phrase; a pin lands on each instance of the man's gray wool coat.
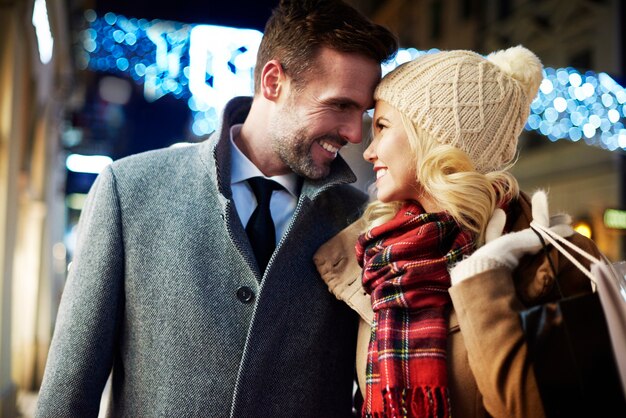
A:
(152, 295)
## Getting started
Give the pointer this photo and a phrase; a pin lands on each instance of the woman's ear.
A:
(272, 79)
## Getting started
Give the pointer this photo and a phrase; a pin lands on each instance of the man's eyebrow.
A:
(345, 101)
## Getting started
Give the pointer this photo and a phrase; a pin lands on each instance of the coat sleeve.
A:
(486, 306)
(81, 353)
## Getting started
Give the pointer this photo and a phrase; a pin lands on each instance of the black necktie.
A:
(260, 228)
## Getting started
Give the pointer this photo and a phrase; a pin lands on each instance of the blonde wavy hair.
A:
(447, 177)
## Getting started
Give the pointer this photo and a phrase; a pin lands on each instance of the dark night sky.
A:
(237, 13)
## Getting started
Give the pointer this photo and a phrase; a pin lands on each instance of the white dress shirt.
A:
(283, 202)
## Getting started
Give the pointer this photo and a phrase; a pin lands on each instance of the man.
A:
(165, 288)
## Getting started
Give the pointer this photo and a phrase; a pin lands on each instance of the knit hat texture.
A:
(461, 98)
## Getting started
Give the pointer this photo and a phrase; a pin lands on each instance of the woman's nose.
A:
(370, 152)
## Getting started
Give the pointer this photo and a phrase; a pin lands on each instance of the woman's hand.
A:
(506, 250)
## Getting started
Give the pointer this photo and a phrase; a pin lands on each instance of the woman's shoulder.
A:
(337, 265)
(340, 245)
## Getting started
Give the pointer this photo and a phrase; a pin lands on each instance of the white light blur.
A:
(210, 55)
(595, 121)
(181, 144)
(588, 89)
(403, 56)
(169, 43)
(607, 81)
(45, 41)
(560, 104)
(93, 164)
(621, 140)
(546, 86)
(580, 94)
(613, 116)
(575, 79)
(589, 130)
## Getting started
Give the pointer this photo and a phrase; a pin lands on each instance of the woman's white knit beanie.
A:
(477, 104)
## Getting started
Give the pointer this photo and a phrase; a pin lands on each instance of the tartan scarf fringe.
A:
(422, 402)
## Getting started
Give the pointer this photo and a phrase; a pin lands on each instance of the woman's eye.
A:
(380, 126)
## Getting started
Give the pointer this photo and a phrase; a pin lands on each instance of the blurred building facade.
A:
(583, 180)
(38, 86)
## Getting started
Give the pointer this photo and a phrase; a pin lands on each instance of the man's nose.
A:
(353, 131)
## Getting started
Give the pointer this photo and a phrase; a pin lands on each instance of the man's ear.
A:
(273, 78)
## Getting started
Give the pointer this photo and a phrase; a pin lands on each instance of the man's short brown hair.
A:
(297, 30)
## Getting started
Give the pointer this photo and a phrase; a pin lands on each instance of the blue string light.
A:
(571, 105)
(206, 65)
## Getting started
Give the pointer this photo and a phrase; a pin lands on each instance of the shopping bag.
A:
(571, 348)
(611, 282)
(573, 361)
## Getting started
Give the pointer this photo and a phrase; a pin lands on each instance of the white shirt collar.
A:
(242, 168)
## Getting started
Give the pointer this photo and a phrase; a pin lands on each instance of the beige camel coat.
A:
(490, 374)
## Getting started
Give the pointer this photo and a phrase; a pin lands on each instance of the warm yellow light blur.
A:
(583, 228)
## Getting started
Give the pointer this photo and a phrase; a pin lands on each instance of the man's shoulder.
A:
(161, 161)
(155, 156)
(161, 170)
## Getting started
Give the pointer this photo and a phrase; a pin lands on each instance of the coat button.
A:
(245, 294)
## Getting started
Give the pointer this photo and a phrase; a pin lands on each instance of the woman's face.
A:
(392, 156)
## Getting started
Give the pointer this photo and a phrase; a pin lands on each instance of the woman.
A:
(440, 333)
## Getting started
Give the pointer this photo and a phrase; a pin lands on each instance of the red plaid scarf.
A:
(405, 269)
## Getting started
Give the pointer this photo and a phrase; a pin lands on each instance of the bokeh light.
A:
(206, 65)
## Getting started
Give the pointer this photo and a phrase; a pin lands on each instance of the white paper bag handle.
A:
(553, 237)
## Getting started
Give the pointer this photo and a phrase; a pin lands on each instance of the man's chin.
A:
(314, 172)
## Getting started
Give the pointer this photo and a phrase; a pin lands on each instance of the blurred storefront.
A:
(38, 87)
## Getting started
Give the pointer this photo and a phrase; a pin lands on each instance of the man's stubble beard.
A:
(294, 149)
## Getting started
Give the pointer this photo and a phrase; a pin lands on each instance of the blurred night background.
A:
(86, 82)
